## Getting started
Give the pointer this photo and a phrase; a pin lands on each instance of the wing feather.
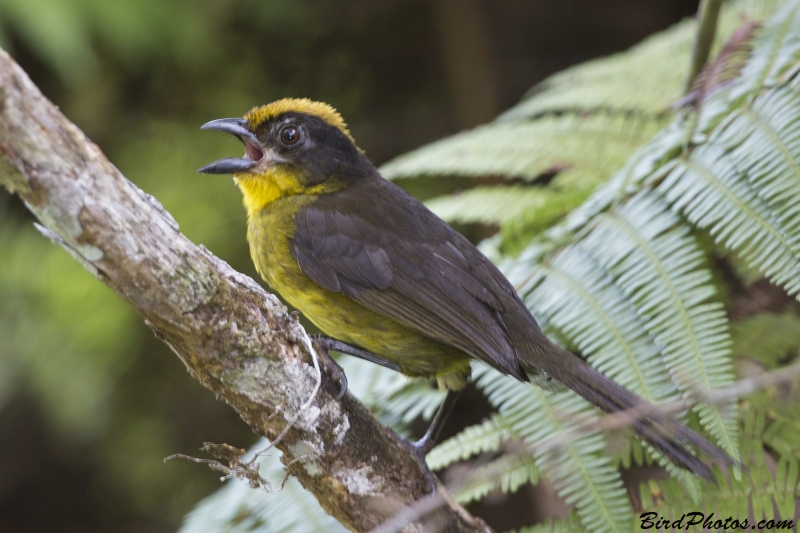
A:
(421, 276)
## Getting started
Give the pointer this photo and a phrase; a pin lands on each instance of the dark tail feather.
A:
(658, 429)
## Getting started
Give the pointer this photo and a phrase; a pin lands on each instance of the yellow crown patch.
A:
(259, 115)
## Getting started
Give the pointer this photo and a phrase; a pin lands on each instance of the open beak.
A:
(254, 153)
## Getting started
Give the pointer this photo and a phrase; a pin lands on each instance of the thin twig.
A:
(413, 512)
(313, 353)
(288, 468)
(244, 470)
(235, 468)
(190, 458)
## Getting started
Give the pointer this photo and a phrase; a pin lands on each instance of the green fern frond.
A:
(628, 452)
(582, 150)
(508, 473)
(577, 299)
(767, 337)
(661, 270)
(781, 410)
(580, 474)
(775, 47)
(491, 205)
(645, 79)
(775, 51)
(498, 205)
(783, 434)
(584, 147)
(769, 127)
(517, 233)
(480, 438)
(574, 297)
(416, 398)
(758, 488)
(570, 524)
(653, 159)
(711, 192)
(636, 452)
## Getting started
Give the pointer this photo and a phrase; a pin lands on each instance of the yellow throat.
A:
(261, 189)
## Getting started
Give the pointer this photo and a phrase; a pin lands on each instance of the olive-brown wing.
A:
(381, 247)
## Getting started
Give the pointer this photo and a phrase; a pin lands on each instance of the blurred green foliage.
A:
(139, 77)
(90, 401)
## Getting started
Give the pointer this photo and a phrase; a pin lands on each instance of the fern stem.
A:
(707, 14)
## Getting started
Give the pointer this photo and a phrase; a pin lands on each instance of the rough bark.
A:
(233, 337)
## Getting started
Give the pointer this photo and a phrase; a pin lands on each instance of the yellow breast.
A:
(270, 229)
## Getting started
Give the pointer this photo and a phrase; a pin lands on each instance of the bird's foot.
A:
(423, 446)
(419, 450)
(331, 367)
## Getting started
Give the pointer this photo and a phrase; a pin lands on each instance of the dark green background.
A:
(90, 401)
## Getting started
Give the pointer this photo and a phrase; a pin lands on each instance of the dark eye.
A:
(290, 135)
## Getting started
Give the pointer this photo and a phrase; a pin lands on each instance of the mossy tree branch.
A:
(233, 337)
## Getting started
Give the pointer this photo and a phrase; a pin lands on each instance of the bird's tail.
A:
(658, 429)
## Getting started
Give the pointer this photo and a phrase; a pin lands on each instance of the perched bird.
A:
(391, 282)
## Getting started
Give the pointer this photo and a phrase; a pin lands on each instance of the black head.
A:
(307, 140)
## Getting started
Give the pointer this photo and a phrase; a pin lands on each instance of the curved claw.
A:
(333, 369)
(342, 384)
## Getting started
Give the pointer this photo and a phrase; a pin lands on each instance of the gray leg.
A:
(324, 344)
(427, 442)
(420, 448)
(341, 347)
